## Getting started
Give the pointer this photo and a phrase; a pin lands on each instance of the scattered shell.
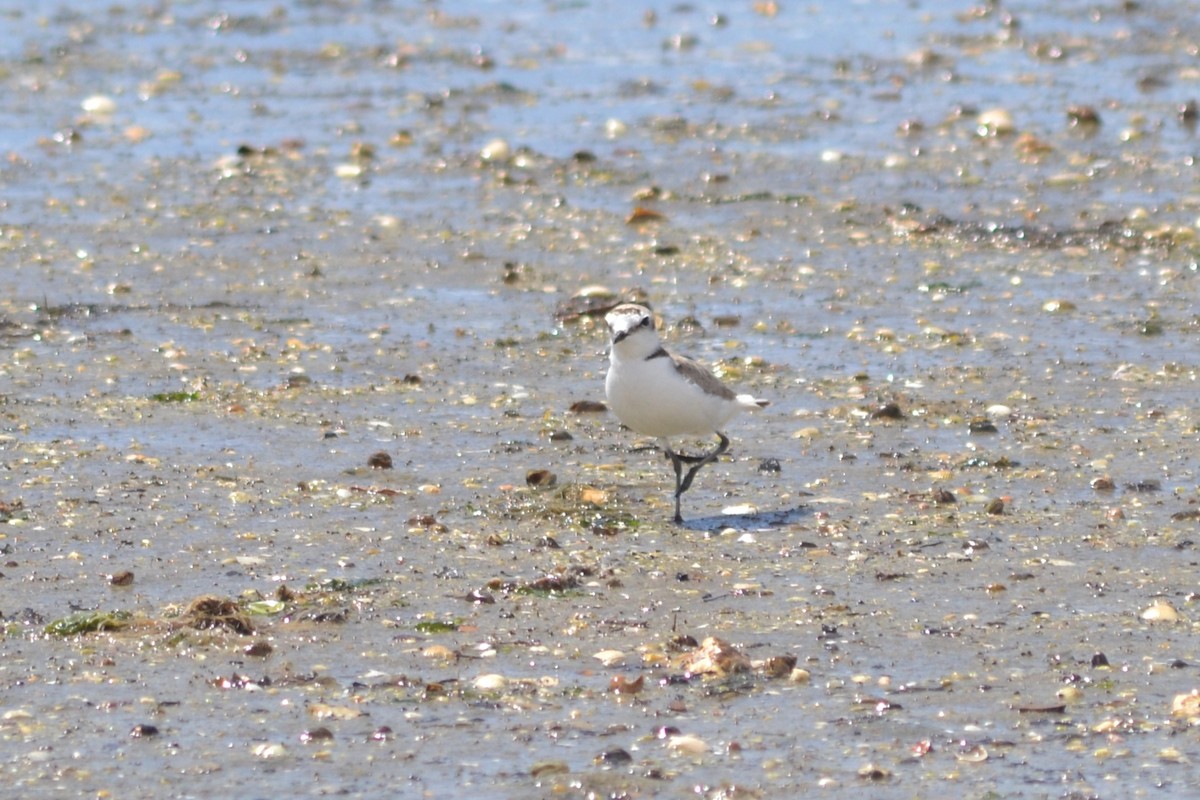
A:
(316, 735)
(1103, 484)
(142, 731)
(641, 215)
(543, 768)
(439, 651)
(610, 658)
(496, 150)
(490, 682)
(326, 711)
(1161, 611)
(943, 497)
(995, 122)
(981, 425)
(1083, 116)
(714, 658)
(123, 578)
(622, 685)
(686, 744)
(799, 675)
(587, 407)
(540, 478)
(269, 750)
(427, 521)
(380, 460)
(872, 772)
(614, 757)
(99, 104)
(208, 612)
(972, 754)
(479, 597)
(1186, 705)
(136, 133)
(779, 666)
(593, 497)
(887, 411)
(1069, 694)
(1172, 755)
(259, 649)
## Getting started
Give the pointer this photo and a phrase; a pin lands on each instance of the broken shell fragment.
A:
(715, 658)
(622, 685)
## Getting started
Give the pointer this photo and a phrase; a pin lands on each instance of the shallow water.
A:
(281, 252)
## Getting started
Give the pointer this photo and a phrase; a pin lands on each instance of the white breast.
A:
(652, 398)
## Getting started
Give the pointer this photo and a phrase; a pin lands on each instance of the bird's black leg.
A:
(705, 459)
(677, 463)
(684, 482)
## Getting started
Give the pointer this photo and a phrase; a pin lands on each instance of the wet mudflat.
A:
(302, 494)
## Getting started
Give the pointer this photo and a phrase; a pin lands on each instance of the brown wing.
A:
(702, 377)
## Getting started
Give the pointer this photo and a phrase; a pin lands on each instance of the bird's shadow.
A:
(756, 521)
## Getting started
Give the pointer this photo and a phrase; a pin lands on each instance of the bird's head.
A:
(629, 322)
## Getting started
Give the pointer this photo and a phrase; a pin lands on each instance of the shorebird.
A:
(662, 395)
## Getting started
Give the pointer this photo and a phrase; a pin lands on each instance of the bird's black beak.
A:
(619, 336)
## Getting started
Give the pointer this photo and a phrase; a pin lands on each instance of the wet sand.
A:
(248, 252)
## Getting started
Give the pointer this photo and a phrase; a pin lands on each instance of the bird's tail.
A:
(750, 401)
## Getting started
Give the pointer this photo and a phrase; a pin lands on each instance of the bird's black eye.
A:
(645, 322)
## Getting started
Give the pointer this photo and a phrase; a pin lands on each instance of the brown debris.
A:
(209, 611)
(715, 658)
